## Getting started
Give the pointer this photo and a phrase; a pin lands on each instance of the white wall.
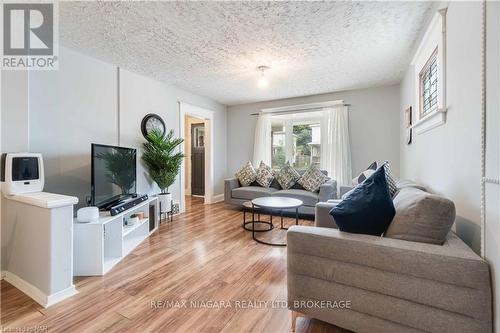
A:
(373, 126)
(70, 109)
(447, 158)
(78, 105)
(14, 133)
(14, 119)
(140, 95)
(492, 190)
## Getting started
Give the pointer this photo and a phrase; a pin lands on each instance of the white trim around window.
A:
(434, 39)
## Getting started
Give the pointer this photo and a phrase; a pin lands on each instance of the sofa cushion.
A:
(421, 217)
(312, 179)
(367, 209)
(391, 182)
(252, 192)
(301, 173)
(402, 183)
(265, 175)
(246, 175)
(287, 176)
(365, 174)
(308, 198)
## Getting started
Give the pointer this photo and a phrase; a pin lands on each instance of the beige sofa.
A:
(392, 285)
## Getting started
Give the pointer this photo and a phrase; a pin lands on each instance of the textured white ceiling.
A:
(213, 48)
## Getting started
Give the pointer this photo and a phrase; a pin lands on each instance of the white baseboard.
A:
(2, 275)
(218, 198)
(36, 294)
(61, 295)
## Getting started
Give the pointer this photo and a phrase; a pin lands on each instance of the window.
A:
(199, 136)
(278, 156)
(429, 86)
(297, 141)
(307, 144)
(429, 69)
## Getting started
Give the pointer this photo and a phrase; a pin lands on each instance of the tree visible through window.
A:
(305, 147)
(278, 154)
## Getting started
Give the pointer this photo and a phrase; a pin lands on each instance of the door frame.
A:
(186, 109)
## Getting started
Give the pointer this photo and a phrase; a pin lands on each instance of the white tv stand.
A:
(100, 245)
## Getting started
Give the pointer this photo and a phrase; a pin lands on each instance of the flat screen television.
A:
(114, 177)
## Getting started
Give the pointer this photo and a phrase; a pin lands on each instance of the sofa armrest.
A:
(322, 217)
(328, 191)
(229, 185)
(344, 189)
(452, 263)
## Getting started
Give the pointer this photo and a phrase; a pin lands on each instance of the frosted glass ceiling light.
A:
(263, 81)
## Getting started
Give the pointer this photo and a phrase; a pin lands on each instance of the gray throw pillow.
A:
(365, 174)
(421, 217)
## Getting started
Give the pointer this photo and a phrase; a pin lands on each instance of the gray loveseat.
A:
(393, 285)
(236, 194)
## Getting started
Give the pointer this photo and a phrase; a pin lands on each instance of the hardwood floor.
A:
(203, 255)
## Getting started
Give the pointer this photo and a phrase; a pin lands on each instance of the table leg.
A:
(271, 211)
(253, 221)
(244, 215)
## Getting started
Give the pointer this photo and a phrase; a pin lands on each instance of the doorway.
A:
(194, 149)
(197, 171)
(198, 159)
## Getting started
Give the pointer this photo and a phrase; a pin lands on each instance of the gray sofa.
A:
(236, 194)
(393, 285)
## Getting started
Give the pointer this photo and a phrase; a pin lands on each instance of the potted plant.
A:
(163, 163)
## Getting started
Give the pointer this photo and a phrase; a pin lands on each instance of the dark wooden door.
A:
(198, 159)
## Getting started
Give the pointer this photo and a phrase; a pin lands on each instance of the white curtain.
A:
(262, 141)
(335, 146)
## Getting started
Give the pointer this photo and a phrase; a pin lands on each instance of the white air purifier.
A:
(22, 173)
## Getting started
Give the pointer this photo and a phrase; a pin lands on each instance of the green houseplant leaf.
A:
(161, 158)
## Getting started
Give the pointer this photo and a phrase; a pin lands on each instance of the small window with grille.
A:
(429, 86)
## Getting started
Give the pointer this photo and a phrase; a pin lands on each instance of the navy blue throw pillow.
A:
(367, 209)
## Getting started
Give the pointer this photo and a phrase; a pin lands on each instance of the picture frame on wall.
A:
(408, 123)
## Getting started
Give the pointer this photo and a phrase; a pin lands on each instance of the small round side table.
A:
(274, 204)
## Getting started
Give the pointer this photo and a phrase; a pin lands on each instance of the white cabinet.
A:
(100, 245)
(38, 233)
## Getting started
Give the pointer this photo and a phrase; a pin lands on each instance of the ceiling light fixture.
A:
(263, 82)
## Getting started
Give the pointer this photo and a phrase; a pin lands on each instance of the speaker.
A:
(87, 214)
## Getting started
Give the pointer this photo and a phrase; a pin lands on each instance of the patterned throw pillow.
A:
(246, 175)
(312, 179)
(265, 175)
(365, 174)
(287, 176)
(391, 183)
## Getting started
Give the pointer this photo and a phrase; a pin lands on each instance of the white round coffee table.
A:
(274, 204)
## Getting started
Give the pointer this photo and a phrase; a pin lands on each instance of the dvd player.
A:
(123, 206)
